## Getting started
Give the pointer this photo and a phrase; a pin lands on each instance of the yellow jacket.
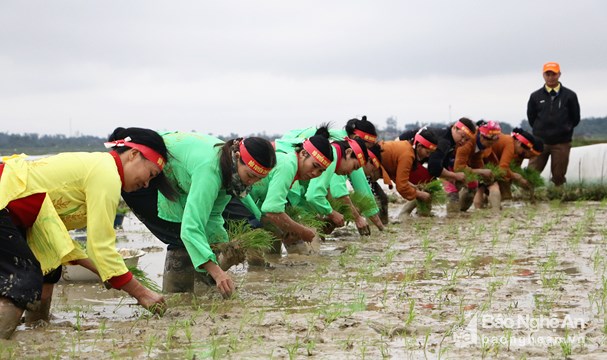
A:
(82, 190)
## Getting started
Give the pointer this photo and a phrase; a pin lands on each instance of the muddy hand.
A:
(377, 222)
(364, 231)
(225, 285)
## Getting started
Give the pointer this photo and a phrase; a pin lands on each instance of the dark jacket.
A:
(553, 118)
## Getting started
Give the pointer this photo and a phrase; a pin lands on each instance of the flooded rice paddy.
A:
(528, 282)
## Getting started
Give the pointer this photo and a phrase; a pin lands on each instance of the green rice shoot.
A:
(470, 176)
(143, 279)
(342, 207)
(305, 217)
(242, 236)
(498, 173)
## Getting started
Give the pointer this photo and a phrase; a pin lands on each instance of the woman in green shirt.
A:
(206, 172)
(268, 198)
(355, 129)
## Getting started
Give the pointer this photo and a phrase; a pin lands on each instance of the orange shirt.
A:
(397, 159)
(502, 154)
(466, 157)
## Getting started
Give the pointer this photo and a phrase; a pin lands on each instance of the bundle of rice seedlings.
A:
(533, 177)
(306, 217)
(498, 173)
(470, 176)
(342, 207)
(363, 202)
(437, 194)
(143, 279)
(244, 237)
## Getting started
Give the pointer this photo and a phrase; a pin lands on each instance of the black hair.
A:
(538, 144)
(320, 140)
(376, 150)
(260, 149)
(468, 123)
(323, 130)
(427, 134)
(344, 145)
(154, 141)
(360, 124)
(481, 122)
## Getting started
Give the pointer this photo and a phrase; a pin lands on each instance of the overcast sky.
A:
(85, 67)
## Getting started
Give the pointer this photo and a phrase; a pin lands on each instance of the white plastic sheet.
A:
(586, 164)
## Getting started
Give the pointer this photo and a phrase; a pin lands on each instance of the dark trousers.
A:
(20, 274)
(559, 160)
(144, 204)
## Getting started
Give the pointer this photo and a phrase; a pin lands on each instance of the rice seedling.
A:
(363, 202)
(437, 193)
(306, 217)
(575, 192)
(143, 279)
(565, 344)
(410, 313)
(243, 239)
(293, 348)
(533, 177)
(470, 176)
(342, 207)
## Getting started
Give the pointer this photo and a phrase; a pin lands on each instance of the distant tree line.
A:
(589, 131)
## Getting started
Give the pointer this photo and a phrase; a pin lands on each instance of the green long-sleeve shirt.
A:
(193, 169)
(337, 183)
(269, 195)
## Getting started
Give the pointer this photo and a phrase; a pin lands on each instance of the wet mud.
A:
(427, 287)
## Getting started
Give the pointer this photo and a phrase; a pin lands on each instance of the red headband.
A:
(374, 159)
(316, 154)
(460, 125)
(147, 152)
(360, 156)
(422, 140)
(251, 162)
(366, 136)
(525, 142)
(490, 129)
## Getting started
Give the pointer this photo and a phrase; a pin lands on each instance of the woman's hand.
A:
(377, 222)
(423, 196)
(147, 298)
(336, 218)
(225, 284)
(362, 226)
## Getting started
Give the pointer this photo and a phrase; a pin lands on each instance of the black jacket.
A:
(553, 118)
(443, 156)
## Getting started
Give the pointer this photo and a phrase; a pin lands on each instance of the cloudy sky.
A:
(85, 67)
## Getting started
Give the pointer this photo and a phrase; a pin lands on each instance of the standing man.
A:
(553, 111)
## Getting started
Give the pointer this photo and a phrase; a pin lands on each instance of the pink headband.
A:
(422, 140)
(251, 162)
(366, 136)
(525, 142)
(147, 152)
(360, 156)
(316, 154)
(460, 125)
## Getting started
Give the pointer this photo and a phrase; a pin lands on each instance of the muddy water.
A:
(475, 285)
